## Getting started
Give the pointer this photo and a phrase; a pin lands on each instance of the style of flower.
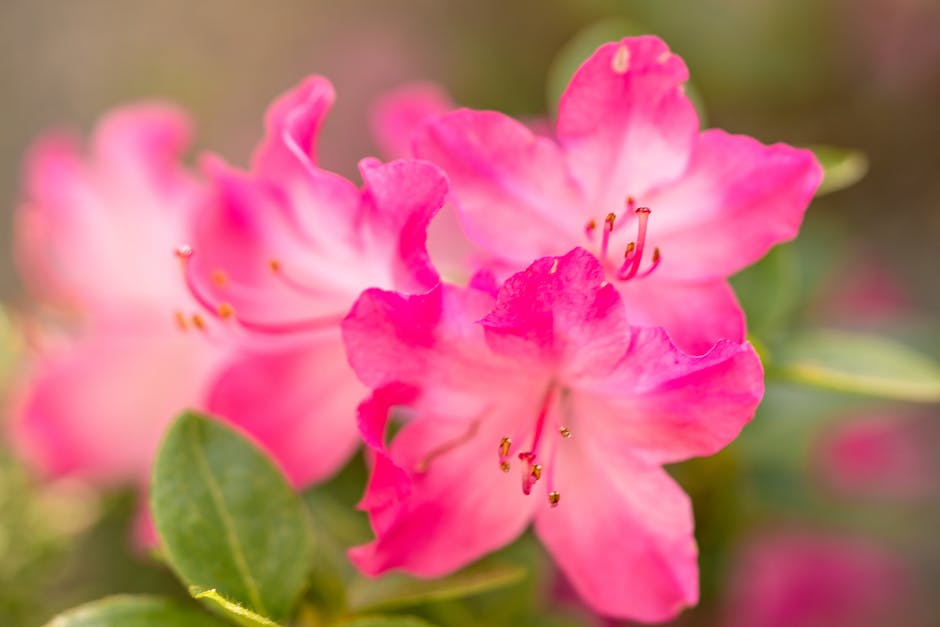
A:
(546, 381)
(670, 211)
(94, 243)
(277, 258)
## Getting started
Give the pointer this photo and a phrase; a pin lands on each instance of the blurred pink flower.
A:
(792, 579)
(549, 375)
(278, 257)
(879, 456)
(628, 139)
(95, 237)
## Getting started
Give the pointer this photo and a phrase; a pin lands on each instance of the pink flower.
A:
(794, 579)
(277, 259)
(881, 456)
(95, 236)
(670, 211)
(548, 379)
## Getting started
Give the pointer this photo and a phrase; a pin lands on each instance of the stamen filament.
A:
(608, 228)
(642, 214)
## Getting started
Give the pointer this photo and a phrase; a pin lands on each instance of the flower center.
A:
(534, 468)
(633, 254)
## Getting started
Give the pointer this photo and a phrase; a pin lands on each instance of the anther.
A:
(275, 265)
(198, 322)
(504, 445)
(609, 221)
(181, 320)
(504, 466)
(184, 251)
(630, 248)
(565, 432)
(608, 228)
(226, 311)
(589, 228)
(536, 472)
(553, 498)
(219, 278)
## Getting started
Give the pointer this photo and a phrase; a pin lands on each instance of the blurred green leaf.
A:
(843, 167)
(769, 291)
(859, 363)
(384, 621)
(133, 611)
(235, 612)
(228, 519)
(392, 591)
(577, 50)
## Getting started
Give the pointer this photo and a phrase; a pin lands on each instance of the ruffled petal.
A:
(625, 121)
(663, 405)
(512, 191)
(621, 533)
(737, 199)
(696, 315)
(299, 404)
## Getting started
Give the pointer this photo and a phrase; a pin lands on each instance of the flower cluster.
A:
(570, 331)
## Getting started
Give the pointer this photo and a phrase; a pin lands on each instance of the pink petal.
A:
(621, 533)
(559, 310)
(400, 113)
(737, 199)
(292, 124)
(453, 509)
(696, 315)
(299, 404)
(511, 189)
(98, 409)
(625, 121)
(664, 406)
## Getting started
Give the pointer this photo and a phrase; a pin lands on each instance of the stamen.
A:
(656, 259)
(299, 286)
(589, 229)
(608, 228)
(181, 320)
(198, 322)
(505, 445)
(553, 498)
(446, 447)
(219, 278)
(565, 432)
(642, 214)
(631, 204)
(226, 311)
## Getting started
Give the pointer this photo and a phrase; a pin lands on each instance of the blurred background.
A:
(845, 481)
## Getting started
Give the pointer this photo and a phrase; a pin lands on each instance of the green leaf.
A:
(577, 50)
(843, 167)
(228, 519)
(133, 611)
(393, 591)
(384, 621)
(235, 612)
(861, 364)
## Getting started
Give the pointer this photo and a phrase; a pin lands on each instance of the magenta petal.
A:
(665, 406)
(736, 200)
(400, 113)
(512, 190)
(454, 509)
(292, 124)
(299, 404)
(696, 315)
(625, 121)
(621, 533)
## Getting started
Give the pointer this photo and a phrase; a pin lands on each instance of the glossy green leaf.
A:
(384, 621)
(861, 364)
(577, 50)
(392, 591)
(228, 519)
(842, 167)
(233, 611)
(133, 611)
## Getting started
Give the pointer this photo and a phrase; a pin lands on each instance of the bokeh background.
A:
(862, 74)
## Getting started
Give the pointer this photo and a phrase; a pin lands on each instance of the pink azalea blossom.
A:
(805, 579)
(95, 237)
(546, 381)
(279, 256)
(671, 211)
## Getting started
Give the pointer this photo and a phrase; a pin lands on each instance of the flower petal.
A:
(299, 404)
(511, 189)
(621, 533)
(663, 405)
(737, 199)
(625, 122)
(400, 113)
